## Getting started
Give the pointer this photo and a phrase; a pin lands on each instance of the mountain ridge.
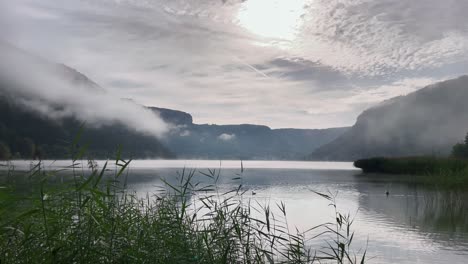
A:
(240, 141)
(426, 122)
(33, 127)
(185, 139)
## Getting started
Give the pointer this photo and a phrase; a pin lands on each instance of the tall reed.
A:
(94, 218)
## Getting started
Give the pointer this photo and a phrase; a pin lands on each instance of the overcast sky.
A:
(283, 63)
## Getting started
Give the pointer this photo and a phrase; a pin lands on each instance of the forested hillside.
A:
(427, 122)
(25, 135)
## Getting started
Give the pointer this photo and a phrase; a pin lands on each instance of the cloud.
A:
(370, 37)
(197, 56)
(358, 99)
(185, 133)
(57, 92)
(227, 137)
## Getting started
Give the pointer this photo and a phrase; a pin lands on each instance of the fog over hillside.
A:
(57, 99)
(281, 63)
(427, 122)
(57, 91)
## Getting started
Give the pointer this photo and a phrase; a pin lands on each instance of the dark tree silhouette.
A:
(460, 150)
(5, 153)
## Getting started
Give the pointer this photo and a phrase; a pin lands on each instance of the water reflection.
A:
(432, 225)
(410, 225)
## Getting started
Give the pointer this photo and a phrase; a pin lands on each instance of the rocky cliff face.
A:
(174, 116)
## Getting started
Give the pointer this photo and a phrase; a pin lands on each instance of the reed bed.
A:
(94, 218)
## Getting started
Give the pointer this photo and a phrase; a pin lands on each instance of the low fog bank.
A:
(57, 91)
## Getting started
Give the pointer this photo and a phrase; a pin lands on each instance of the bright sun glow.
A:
(272, 18)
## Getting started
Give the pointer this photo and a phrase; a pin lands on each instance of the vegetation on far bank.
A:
(411, 165)
(445, 172)
(460, 150)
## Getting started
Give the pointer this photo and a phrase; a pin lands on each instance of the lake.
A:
(411, 224)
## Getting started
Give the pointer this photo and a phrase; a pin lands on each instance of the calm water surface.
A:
(410, 225)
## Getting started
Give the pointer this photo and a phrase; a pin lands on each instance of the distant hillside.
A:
(26, 132)
(30, 135)
(33, 132)
(427, 122)
(202, 141)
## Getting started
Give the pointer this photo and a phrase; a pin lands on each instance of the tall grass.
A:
(94, 218)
